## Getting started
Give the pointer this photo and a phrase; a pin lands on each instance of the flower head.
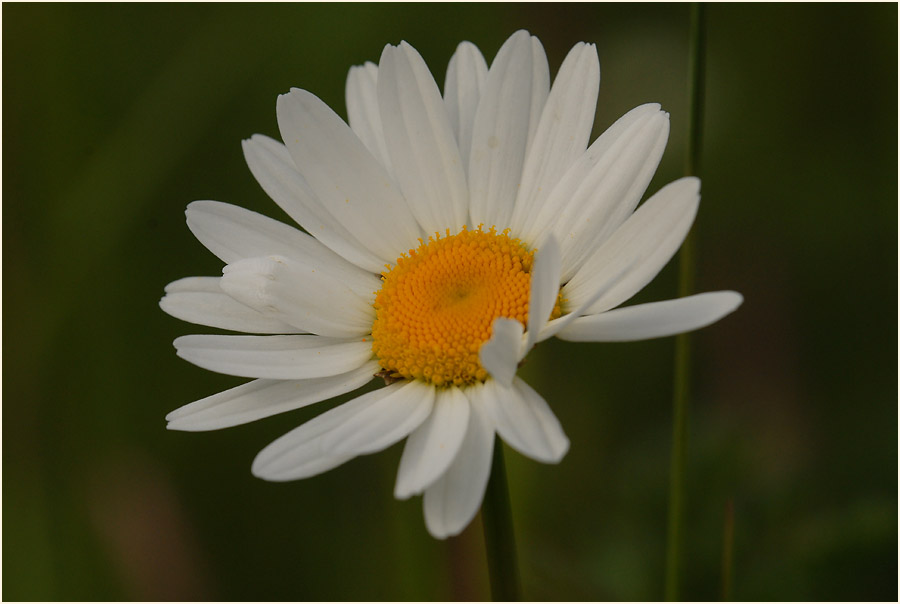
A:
(446, 235)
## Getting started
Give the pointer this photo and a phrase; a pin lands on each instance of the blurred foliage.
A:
(116, 116)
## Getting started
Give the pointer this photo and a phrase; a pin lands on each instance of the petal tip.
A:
(735, 299)
(403, 493)
(258, 467)
(180, 423)
(502, 352)
(560, 453)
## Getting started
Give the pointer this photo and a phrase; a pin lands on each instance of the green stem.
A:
(686, 272)
(728, 551)
(676, 472)
(499, 539)
(697, 88)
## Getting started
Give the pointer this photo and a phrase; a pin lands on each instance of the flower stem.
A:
(728, 551)
(499, 539)
(674, 546)
(697, 87)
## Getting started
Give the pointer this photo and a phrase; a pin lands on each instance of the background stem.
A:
(675, 547)
(728, 551)
(499, 538)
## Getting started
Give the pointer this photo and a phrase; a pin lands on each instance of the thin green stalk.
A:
(697, 88)
(499, 539)
(686, 272)
(728, 551)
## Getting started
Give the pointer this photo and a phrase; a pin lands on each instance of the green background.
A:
(116, 116)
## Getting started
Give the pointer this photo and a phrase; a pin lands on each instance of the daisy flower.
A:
(445, 236)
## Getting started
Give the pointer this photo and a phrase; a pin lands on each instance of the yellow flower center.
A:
(436, 306)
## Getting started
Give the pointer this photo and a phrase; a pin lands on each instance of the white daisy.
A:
(447, 235)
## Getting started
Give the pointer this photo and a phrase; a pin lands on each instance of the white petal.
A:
(524, 420)
(345, 177)
(200, 300)
(451, 503)
(432, 446)
(274, 169)
(514, 95)
(646, 241)
(384, 423)
(298, 294)
(299, 453)
(544, 290)
(653, 320)
(233, 233)
(420, 141)
(556, 325)
(305, 468)
(263, 398)
(275, 357)
(561, 137)
(603, 187)
(540, 88)
(466, 75)
(363, 114)
(501, 354)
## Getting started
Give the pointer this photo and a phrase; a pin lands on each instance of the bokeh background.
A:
(116, 116)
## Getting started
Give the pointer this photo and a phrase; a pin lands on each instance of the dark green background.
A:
(116, 116)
